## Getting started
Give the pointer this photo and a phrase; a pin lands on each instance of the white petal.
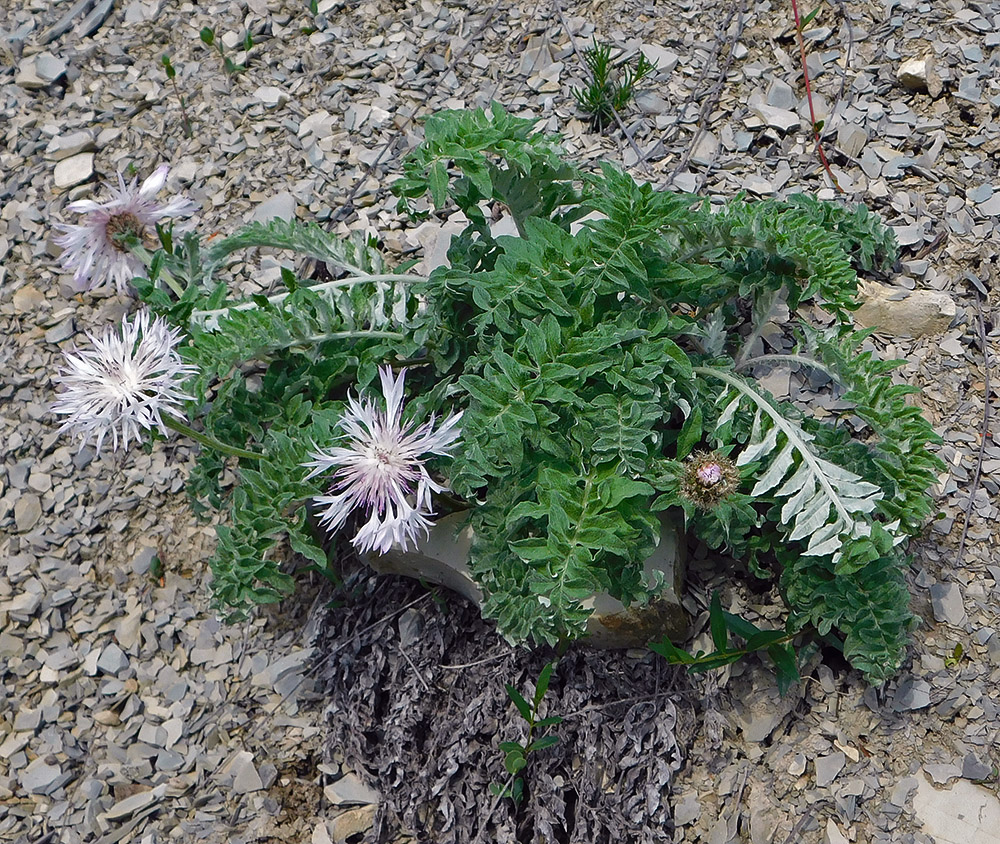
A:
(154, 184)
(83, 206)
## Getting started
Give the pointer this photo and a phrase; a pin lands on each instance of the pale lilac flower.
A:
(91, 248)
(710, 474)
(381, 470)
(124, 383)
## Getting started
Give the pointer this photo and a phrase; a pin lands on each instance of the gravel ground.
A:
(128, 712)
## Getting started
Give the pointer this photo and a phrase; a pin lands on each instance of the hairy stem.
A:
(206, 440)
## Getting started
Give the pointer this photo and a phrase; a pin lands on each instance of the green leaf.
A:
(690, 434)
(514, 761)
(784, 660)
(437, 180)
(543, 742)
(808, 19)
(543, 683)
(519, 702)
(740, 626)
(670, 652)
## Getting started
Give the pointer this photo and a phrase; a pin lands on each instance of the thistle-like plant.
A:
(607, 373)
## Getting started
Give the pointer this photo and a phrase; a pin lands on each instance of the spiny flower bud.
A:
(709, 477)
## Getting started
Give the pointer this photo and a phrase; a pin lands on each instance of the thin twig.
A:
(416, 671)
(597, 707)
(712, 96)
(984, 430)
(478, 662)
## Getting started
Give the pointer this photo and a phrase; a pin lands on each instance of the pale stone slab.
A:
(963, 814)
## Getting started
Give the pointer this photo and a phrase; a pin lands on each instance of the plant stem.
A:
(187, 121)
(812, 111)
(206, 440)
(146, 257)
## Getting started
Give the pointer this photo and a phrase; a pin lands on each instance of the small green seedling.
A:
(157, 571)
(207, 36)
(611, 87)
(515, 753)
(171, 75)
(777, 644)
(955, 657)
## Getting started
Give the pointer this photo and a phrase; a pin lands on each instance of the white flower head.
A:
(381, 469)
(124, 383)
(94, 249)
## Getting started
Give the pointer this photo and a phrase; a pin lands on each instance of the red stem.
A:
(809, 97)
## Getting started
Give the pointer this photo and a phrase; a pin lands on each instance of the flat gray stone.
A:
(27, 719)
(112, 660)
(965, 813)
(90, 24)
(39, 71)
(968, 89)
(909, 235)
(705, 150)
(72, 143)
(281, 207)
(990, 207)
(784, 120)
(827, 767)
(901, 791)
(169, 760)
(271, 96)
(973, 769)
(142, 561)
(349, 790)
(946, 601)
(942, 774)
(664, 59)
(979, 194)
(911, 694)
(135, 803)
(851, 138)
(687, 810)
(27, 512)
(780, 95)
(39, 777)
(74, 170)
(245, 776)
(49, 67)
(833, 834)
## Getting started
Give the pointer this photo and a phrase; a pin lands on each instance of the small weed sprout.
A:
(171, 75)
(207, 36)
(611, 87)
(515, 753)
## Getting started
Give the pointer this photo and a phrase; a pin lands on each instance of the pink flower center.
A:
(709, 474)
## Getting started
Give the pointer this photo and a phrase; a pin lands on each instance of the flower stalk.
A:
(208, 441)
